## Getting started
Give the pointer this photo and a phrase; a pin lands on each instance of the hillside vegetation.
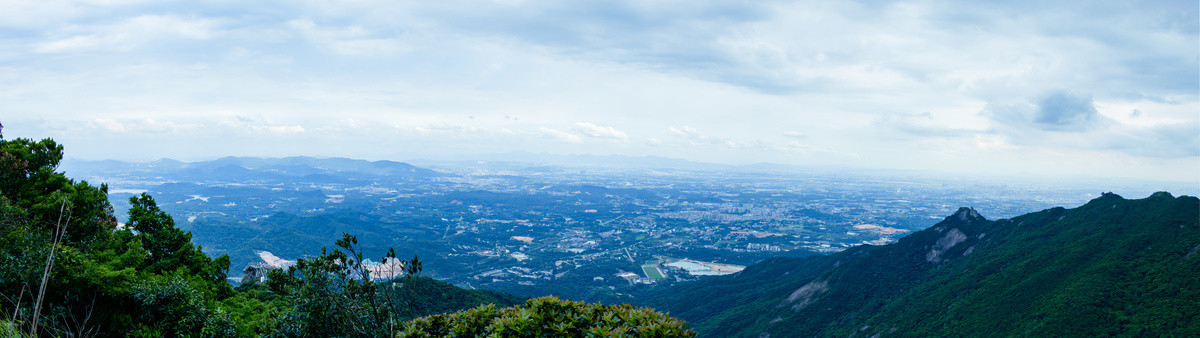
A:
(1112, 266)
(67, 268)
(549, 317)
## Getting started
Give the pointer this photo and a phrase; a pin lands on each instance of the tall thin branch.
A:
(60, 229)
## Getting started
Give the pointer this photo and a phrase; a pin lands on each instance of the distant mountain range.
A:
(1110, 267)
(243, 168)
(298, 167)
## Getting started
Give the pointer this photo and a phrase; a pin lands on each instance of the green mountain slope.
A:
(1112, 266)
(429, 296)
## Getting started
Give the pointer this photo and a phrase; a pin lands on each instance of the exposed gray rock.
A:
(806, 293)
(255, 272)
(952, 238)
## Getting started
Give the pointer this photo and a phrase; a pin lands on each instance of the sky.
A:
(1041, 88)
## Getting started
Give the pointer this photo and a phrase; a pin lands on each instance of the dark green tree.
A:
(170, 249)
(66, 267)
(334, 294)
(28, 179)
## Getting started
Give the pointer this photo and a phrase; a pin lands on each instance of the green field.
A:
(653, 272)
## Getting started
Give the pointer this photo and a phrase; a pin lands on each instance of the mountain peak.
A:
(1161, 194)
(967, 214)
(1049, 272)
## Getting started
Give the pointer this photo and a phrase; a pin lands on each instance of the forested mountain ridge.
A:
(1111, 266)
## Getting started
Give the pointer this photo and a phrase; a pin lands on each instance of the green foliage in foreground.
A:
(68, 269)
(549, 317)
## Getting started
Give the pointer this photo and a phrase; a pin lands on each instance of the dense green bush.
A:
(66, 268)
(333, 295)
(549, 316)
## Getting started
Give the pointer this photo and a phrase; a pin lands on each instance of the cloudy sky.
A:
(1103, 89)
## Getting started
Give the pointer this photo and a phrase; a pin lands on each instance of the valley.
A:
(581, 232)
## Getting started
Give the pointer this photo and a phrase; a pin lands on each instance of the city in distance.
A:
(583, 227)
(665, 168)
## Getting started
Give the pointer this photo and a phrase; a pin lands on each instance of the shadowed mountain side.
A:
(430, 296)
(1108, 267)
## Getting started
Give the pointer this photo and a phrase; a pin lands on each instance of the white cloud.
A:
(560, 135)
(593, 130)
(74, 43)
(279, 129)
(795, 134)
(353, 40)
(804, 149)
(254, 126)
(1054, 111)
(146, 125)
(130, 33)
(107, 124)
(693, 136)
(1072, 121)
(898, 83)
(689, 133)
(451, 130)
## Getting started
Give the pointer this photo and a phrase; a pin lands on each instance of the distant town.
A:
(588, 233)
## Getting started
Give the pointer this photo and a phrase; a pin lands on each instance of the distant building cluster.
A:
(762, 247)
(257, 271)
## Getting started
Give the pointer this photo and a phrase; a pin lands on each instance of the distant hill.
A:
(431, 296)
(1112, 266)
(256, 168)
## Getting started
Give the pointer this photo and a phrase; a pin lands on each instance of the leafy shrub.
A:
(549, 316)
(175, 306)
(9, 329)
(335, 295)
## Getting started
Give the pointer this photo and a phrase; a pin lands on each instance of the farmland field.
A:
(653, 272)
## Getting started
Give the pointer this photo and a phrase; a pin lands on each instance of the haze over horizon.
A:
(1106, 89)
